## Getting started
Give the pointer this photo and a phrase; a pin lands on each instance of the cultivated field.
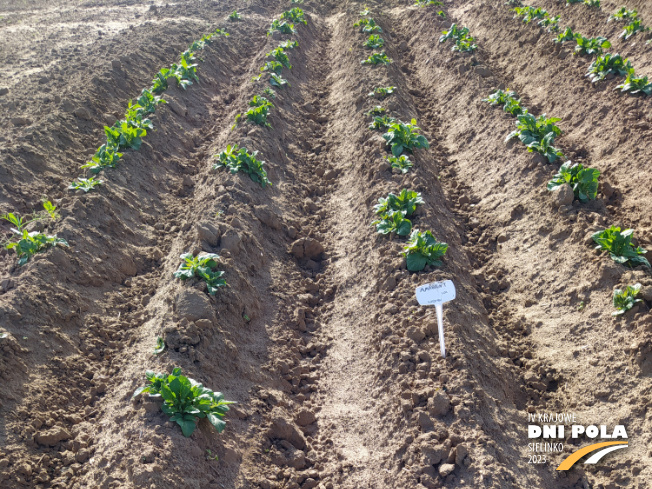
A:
(307, 317)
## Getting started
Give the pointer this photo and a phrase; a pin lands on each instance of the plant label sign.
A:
(436, 293)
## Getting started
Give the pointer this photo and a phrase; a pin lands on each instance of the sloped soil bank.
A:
(334, 367)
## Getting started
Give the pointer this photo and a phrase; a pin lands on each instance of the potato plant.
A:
(633, 28)
(530, 128)
(422, 250)
(426, 3)
(377, 110)
(463, 41)
(237, 159)
(186, 401)
(235, 16)
(393, 222)
(278, 81)
(583, 181)
(106, 156)
(374, 41)
(592, 3)
(591, 46)
(567, 35)
(530, 13)
(202, 267)
(377, 59)
(380, 123)
(401, 163)
(619, 246)
(27, 243)
(382, 92)
(258, 113)
(85, 184)
(368, 26)
(405, 202)
(551, 24)
(635, 85)
(506, 98)
(280, 56)
(608, 64)
(404, 136)
(282, 27)
(294, 15)
(625, 299)
(623, 14)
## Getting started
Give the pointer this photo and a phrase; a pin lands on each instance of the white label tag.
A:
(436, 293)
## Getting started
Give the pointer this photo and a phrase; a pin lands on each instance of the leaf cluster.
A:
(237, 159)
(186, 401)
(203, 267)
(620, 247)
(423, 249)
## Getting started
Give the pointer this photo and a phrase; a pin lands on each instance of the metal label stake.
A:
(436, 293)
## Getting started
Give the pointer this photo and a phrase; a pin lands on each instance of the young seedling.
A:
(530, 13)
(401, 163)
(463, 41)
(376, 59)
(106, 156)
(272, 67)
(551, 24)
(425, 3)
(365, 11)
(124, 135)
(571, 2)
(625, 299)
(258, 113)
(237, 159)
(277, 81)
(185, 72)
(85, 184)
(531, 129)
(186, 401)
(147, 102)
(294, 15)
(374, 42)
(380, 123)
(635, 85)
(393, 222)
(26, 243)
(607, 64)
(404, 136)
(280, 56)
(160, 346)
(592, 3)
(633, 28)
(235, 16)
(567, 35)
(382, 92)
(368, 26)
(546, 148)
(282, 27)
(203, 267)
(506, 98)
(405, 202)
(591, 46)
(160, 81)
(377, 110)
(423, 249)
(623, 15)
(584, 181)
(620, 247)
(288, 44)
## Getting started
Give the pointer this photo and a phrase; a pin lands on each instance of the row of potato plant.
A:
(538, 135)
(129, 132)
(401, 138)
(185, 400)
(605, 64)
